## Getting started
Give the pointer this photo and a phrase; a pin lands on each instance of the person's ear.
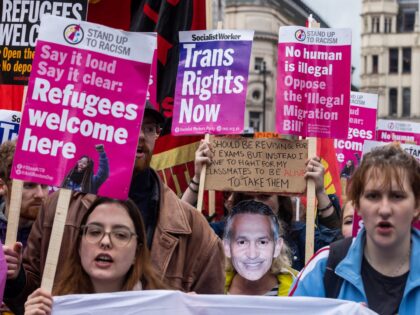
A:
(158, 131)
(277, 247)
(226, 246)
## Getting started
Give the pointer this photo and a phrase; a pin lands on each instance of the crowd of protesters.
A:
(156, 240)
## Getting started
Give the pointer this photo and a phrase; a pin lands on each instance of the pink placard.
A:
(362, 126)
(210, 93)
(84, 107)
(397, 130)
(313, 82)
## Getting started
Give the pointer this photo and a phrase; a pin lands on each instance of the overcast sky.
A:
(342, 14)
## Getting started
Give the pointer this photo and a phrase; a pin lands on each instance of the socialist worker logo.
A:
(73, 34)
(300, 35)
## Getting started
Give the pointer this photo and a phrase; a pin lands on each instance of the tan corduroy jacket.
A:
(185, 251)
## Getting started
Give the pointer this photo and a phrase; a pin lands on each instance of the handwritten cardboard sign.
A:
(19, 27)
(85, 104)
(257, 165)
(313, 86)
(210, 92)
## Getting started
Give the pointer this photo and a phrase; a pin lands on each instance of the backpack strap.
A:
(332, 282)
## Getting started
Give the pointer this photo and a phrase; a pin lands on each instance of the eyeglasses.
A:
(119, 236)
(150, 129)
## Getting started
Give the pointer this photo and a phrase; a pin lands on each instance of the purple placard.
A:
(313, 82)
(362, 126)
(210, 94)
(396, 130)
(87, 88)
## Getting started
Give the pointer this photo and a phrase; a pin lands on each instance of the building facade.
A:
(264, 17)
(390, 56)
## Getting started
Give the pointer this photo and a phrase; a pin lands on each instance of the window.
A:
(406, 102)
(409, 20)
(258, 63)
(256, 95)
(255, 120)
(406, 66)
(375, 63)
(375, 24)
(393, 60)
(406, 20)
(388, 25)
(365, 65)
(393, 101)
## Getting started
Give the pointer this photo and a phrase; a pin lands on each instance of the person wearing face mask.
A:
(186, 253)
(109, 256)
(381, 267)
(258, 261)
(328, 208)
(82, 177)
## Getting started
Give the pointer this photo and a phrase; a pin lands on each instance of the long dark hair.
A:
(86, 182)
(73, 279)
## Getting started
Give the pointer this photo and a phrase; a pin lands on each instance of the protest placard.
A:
(313, 82)
(19, 28)
(397, 130)
(211, 84)
(175, 302)
(257, 165)
(85, 99)
(362, 126)
(9, 124)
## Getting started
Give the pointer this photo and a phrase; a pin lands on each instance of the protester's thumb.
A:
(17, 247)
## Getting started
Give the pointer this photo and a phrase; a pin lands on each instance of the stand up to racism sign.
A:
(211, 83)
(86, 97)
(19, 27)
(313, 82)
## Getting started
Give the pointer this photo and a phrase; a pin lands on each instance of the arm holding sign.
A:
(203, 156)
(13, 257)
(326, 210)
(39, 303)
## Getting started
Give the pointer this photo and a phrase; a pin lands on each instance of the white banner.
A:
(175, 302)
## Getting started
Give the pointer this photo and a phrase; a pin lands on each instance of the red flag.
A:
(11, 97)
(116, 14)
(167, 18)
(325, 150)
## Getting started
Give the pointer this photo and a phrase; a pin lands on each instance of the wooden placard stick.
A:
(212, 193)
(56, 238)
(202, 181)
(209, 25)
(310, 189)
(13, 212)
(13, 209)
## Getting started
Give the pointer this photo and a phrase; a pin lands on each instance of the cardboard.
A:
(257, 165)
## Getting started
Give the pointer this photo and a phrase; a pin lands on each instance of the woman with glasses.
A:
(109, 256)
